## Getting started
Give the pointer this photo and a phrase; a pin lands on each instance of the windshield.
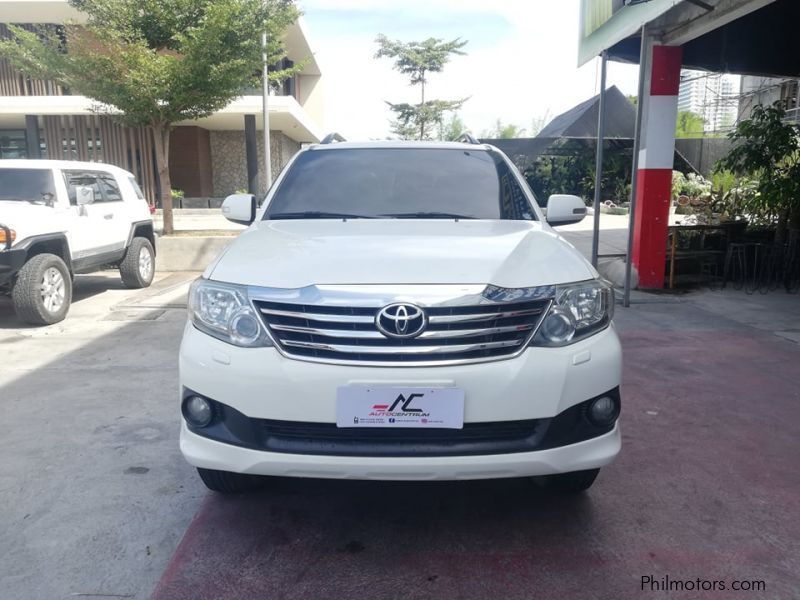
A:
(396, 183)
(27, 185)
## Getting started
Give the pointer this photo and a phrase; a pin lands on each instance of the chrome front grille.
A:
(453, 334)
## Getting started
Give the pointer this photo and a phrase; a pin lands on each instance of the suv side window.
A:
(104, 185)
(110, 188)
(137, 190)
(76, 178)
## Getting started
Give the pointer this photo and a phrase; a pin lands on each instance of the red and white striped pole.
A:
(656, 157)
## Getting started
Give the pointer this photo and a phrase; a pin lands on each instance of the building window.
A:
(12, 143)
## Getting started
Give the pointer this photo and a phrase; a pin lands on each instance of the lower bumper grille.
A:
(474, 438)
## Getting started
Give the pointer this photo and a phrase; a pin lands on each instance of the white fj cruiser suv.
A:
(61, 218)
(400, 311)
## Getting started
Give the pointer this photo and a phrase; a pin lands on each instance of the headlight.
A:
(223, 311)
(578, 311)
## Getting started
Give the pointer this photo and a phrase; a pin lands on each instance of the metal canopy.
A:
(760, 42)
(581, 120)
(579, 124)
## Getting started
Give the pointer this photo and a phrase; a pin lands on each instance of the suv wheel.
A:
(570, 483)
(226, 482)
(43, 290)
(138, 266)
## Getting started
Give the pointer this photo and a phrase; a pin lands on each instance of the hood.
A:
(298, 253)
(29, 219)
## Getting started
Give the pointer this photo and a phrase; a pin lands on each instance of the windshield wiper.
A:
(315, 214)
(426, 215)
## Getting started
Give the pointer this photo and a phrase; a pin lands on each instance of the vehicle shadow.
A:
(84, 288)
(321, 538)
(88, 286)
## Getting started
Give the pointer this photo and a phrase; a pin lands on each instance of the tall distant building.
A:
(713, 96)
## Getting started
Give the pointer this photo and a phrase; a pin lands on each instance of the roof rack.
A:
(467, 138)
(331, 138)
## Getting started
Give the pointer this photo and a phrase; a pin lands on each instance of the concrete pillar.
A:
(32, 136)
(656, 157)
(251, 153)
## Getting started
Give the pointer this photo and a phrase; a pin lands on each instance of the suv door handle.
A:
(108, 216)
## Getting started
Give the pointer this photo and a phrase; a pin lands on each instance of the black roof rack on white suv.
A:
(467, 138)
(332, 138)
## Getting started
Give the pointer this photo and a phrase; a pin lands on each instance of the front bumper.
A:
(262, 384)
(591, 454)
(11, 261)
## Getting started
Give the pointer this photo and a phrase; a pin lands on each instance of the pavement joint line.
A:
(123, 307)
(71, 368)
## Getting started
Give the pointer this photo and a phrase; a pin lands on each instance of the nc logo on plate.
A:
(401, 320)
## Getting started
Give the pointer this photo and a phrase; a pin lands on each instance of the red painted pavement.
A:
(707, 486)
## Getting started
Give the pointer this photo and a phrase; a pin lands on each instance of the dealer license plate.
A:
(365, 406)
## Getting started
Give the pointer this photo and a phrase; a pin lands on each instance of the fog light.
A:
(603, 411)
(197, 411)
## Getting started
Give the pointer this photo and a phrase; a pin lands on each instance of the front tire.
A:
(570, 483)
(138, 266)
(43, 290)
(226, 482)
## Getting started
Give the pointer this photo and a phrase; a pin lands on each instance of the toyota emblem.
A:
(401, 320)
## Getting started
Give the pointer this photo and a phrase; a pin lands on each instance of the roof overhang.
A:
(285, 114)
(604, 23)
(298, 48)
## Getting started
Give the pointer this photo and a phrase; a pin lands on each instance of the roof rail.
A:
(331, 138)
(467, 138)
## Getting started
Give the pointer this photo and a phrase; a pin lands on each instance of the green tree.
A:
(157, 62)
(505, 131)
(453, 128)
(571, 169)
(539, 123)
(767, 147)
(689, 125)
(417, 60)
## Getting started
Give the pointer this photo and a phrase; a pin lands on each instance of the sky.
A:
(520, 66)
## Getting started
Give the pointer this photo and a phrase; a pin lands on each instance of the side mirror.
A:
(240, 208)
(84, 194)
(564, 209)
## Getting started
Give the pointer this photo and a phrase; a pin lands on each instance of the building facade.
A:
(766, 91)
(208, 157)
(713, 96)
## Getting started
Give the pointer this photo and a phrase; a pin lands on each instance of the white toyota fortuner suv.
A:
(400, 311)
(62, 218)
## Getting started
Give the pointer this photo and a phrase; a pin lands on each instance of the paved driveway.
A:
(707, 487)
(98, 503)
(94, 498)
